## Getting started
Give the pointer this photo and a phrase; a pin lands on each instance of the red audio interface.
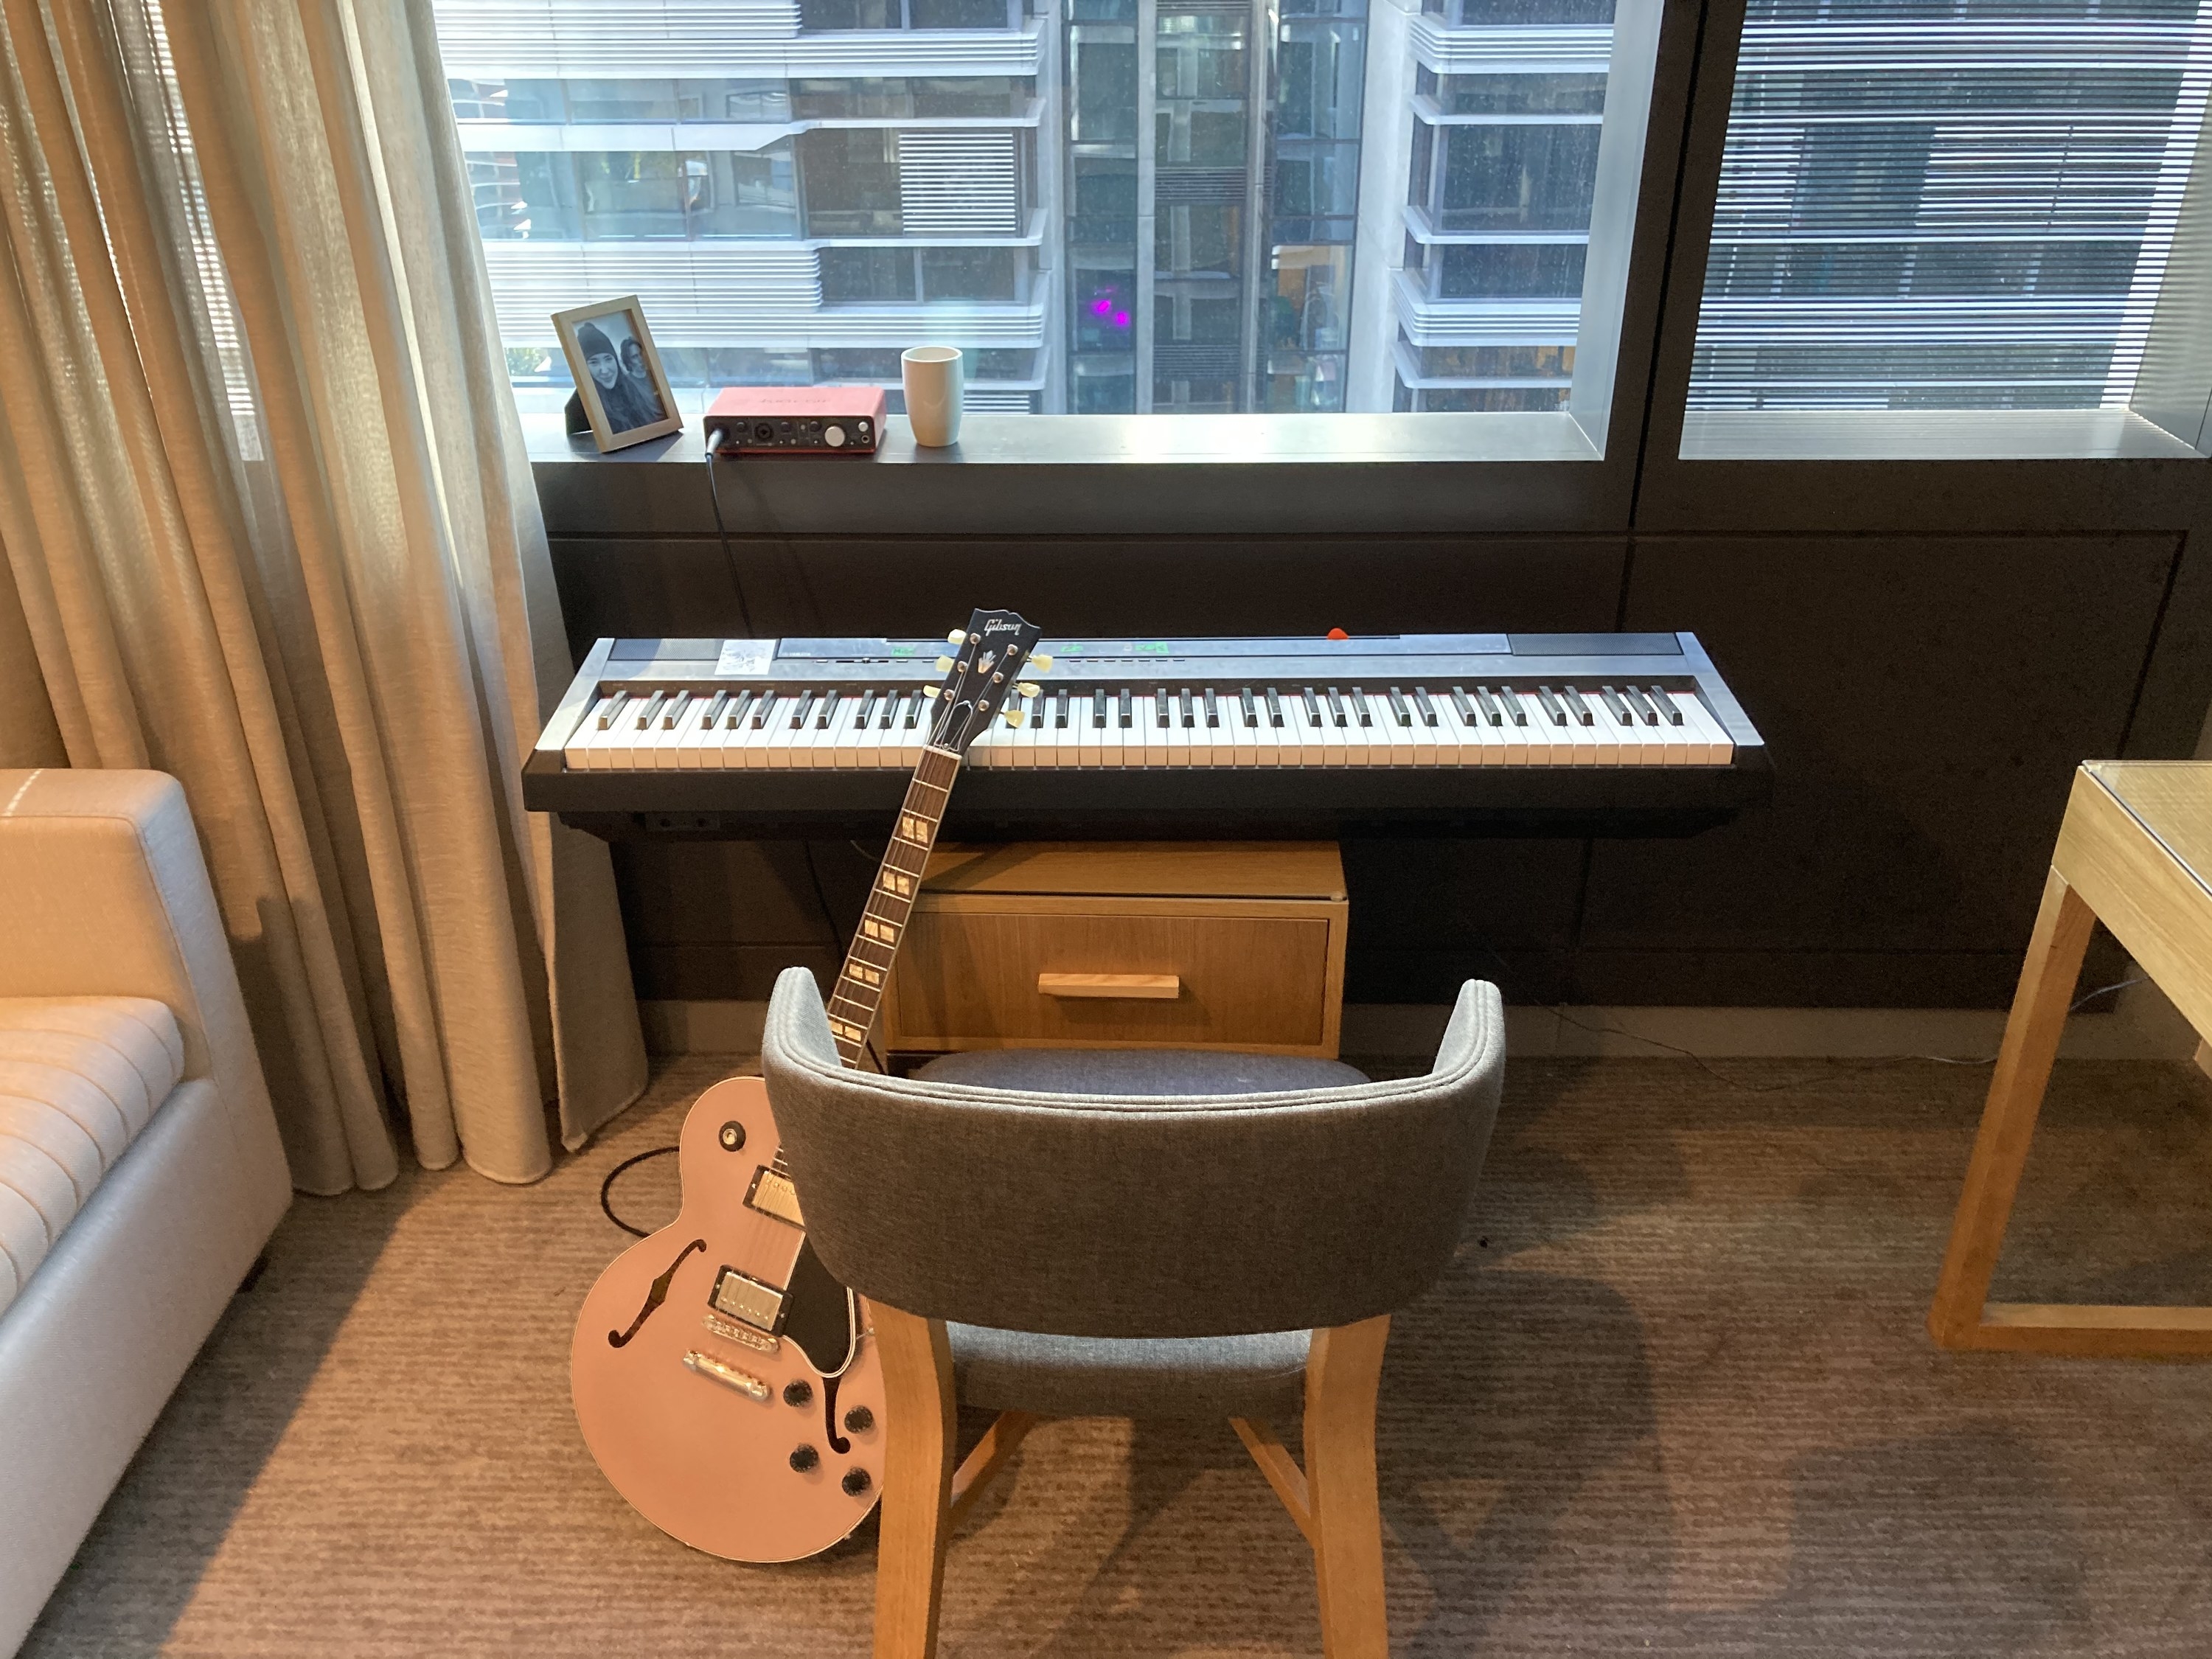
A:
(802, 419)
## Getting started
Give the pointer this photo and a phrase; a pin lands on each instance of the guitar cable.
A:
(606, 1187)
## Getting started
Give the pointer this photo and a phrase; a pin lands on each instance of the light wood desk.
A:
(2134, 853)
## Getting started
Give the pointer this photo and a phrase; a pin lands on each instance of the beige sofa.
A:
(140, 1169)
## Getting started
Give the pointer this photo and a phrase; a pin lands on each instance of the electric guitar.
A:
(725, 1382)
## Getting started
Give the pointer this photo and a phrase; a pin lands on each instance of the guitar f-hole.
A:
(654, 1296)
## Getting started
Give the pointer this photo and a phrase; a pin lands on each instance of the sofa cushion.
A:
(79, 1078)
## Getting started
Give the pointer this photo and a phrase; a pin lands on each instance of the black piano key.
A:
(715, 711)
(1421, 702)
(1128, 709)
(1336, 707)
(1639, 705)
(1398, 709)
(736, 716)
(1492, 713)
(1251, 712)
(1098, 709)
(1212, 709)
(1060, 708)
(1274, 708)
(1182, 700)
(645, 720)
(1466, 709)
(1621, 711)
(674, 712)
(830, 703)
(806, 701)
(1577, 710)
(914, 699)
(761, 713)
(611, 710)
(1362, 708)
(867, 708)
(1667, 705)
(1313, 706)
(1552, 710)
(1516, 710)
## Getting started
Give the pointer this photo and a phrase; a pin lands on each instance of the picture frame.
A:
(637, 403)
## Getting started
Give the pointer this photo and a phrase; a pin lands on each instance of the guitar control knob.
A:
(798, 1394)
(855, 1482)
(731, 1135)
(859, 1420)
(804, 1458)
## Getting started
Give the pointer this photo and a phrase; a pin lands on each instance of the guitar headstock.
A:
(983, 679)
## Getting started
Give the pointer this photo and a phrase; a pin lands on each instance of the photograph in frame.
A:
(619, 380)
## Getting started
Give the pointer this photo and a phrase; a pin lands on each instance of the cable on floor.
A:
(606, 1187)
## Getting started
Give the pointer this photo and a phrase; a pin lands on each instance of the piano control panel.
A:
(1440, 733)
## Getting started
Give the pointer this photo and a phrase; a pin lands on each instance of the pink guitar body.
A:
(729, 1388)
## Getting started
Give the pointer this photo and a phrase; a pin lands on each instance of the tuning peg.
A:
(958, 636)
(931, 692)
(1016, 716)
(945, 665)
(1041, 663)
(1026, 689)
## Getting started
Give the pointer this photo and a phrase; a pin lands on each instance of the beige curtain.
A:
(263, 498)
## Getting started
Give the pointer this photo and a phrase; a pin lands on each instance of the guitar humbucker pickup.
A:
(747, 1300)
(772, 1194)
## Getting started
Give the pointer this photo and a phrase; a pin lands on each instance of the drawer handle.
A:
(1150, 987)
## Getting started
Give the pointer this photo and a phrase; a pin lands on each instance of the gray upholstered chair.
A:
(1133, 1233)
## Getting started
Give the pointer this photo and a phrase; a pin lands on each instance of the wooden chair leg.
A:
(1343, 1370)
(919, 1429)
(2030, 1043)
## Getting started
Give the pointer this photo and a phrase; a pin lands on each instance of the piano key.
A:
(1274, 707)
(1183, 707)
(763, 709)
(1663, 700)
(1709, 742)
(1427, 749)
(1425, 705)
(842, 741)
(1555, 713)
(611, 709)
(1602, 727)
(1152, 719)
(831, 702)
(1245, 742)
(1251, 709)
(697, 744)
(1127, 720)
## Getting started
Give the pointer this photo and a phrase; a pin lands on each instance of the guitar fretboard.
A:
(860, 987)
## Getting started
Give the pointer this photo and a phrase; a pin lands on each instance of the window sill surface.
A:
(1882, 434)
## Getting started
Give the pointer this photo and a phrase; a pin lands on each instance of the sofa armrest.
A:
(103, 893)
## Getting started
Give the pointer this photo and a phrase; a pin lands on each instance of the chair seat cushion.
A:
(1139, 1071)
(79, 1078)
(1258, 1376)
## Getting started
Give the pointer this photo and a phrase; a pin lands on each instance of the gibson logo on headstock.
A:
(1002, 625)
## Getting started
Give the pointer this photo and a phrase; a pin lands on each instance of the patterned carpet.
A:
(1675, 1398)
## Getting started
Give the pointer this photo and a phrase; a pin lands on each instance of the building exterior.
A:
(1949, 206)
(1139, 206)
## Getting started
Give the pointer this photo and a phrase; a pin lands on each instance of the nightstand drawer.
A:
(987, 974)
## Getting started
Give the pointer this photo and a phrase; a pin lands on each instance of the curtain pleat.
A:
(272, 528)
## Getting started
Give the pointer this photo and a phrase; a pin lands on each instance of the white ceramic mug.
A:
(933, 379)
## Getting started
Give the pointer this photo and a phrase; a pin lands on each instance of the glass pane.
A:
(1961, 211)
(1188, 206)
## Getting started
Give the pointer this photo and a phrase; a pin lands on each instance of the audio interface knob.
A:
(834, 437)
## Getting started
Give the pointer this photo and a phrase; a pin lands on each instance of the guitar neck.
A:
(860, 988)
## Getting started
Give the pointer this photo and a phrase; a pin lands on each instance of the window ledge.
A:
(1886, 435)
(1029, 475)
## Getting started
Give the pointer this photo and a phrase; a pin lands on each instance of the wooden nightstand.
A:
(1121, 944)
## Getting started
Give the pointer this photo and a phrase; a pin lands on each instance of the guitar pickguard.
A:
(818, 1314)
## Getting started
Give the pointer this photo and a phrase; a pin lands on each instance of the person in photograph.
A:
(640, 376)
(624, 411)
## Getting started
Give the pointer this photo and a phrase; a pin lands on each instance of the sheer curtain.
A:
(263, 498)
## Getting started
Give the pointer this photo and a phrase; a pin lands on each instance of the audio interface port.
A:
(762, 432)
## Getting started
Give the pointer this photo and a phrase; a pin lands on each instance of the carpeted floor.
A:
(1675, 1398)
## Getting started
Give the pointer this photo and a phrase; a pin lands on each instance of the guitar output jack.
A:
(731, 1135)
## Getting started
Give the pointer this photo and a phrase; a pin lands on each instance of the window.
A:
(1196, 206)
(1949, 208)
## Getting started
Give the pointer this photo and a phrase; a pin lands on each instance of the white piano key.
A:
(1089, 725)
(1428, 739)
(1604, 735)
(1541, 744)
(693, 736)
(1149, 733)
(840, 746)
(1709, 744)
(1312, 734)
(1244, 729)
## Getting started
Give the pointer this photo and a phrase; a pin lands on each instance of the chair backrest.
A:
(1123, 1216)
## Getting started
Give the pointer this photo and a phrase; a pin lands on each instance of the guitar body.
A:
(728, 1386)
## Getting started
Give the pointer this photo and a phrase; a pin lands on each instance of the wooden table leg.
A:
(2030, 1043)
